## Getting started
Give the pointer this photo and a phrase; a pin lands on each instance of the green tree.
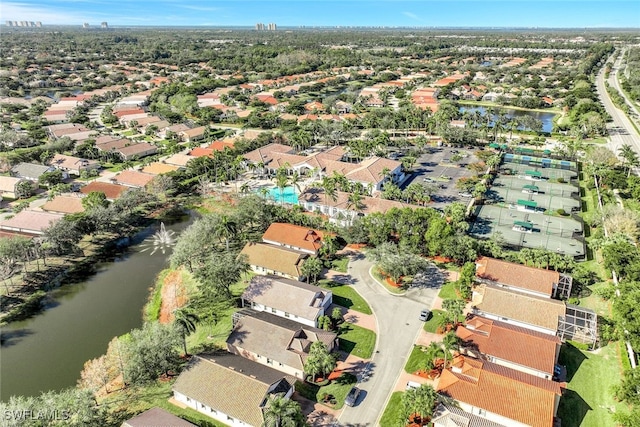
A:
(220, 271)
(420, 401)
(311, 268)
(24, 189)
(630, 157)
(94, 200)
(187, 321)
(319, 361)
(152, 351)
(51, 178)
(282, 412)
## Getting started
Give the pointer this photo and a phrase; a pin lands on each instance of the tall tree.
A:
(282, 412)
(187, 321)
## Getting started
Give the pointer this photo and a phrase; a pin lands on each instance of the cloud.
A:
(199, 8)
(28, 12)
(413, 16)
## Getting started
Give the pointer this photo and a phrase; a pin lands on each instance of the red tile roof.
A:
(512, 343)
(516, 275)
(201, 152)
(112, 191)
(294, 236)
(503, 391)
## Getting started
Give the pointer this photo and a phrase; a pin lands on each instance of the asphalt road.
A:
(621, 130)
(398, 327)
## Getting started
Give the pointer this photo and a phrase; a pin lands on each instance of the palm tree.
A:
(186, 321)
(330, 191)
(629, 156)
(282, 179)
(281, 412)
(420, 401)
(355, 202)
(450, 342)
(245, 188)
(311, 267)
(226, 229)
(295, 179)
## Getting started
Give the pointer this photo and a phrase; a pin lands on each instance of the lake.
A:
(545, 118)
(48, 351)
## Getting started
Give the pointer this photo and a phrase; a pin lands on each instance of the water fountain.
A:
(160, 240)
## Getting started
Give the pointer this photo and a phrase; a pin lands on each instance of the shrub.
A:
(561, 212)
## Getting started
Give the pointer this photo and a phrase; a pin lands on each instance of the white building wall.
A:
(263, 360)
(490, 415)
(514, 322)
(281, 313)
(210, 412)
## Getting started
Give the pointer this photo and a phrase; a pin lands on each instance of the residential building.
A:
(156, 417)
(517, 348)
(195, 134)
(73, 165)
(517, 308)
(372, 172)
(499, 394)
(178, 159)
(343, 210)
(521, 278)
(270, 259)
(111, 191)
(158, 168)
(30, 222)
(64, 204)
(9, 186)
(137, 151)
(295, 237)
(230, 388)
(132, 178)
(278, 342)
(287, 298)
(447, 415)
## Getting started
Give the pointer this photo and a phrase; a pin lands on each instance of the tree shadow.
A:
(9, 338)
(571, 357)
(572, 409)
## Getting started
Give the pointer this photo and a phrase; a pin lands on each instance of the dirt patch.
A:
(174, 296)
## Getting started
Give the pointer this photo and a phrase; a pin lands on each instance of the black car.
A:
(352, 397)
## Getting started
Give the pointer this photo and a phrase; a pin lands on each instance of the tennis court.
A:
(530, 230)
(536, 173)
(544, 187)
(531, 199)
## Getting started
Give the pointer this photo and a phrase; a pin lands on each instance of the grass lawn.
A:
(595, 302)
(417, 360)
(346, 296)
(338, 388)
(383, 282)
(393, 410)
(448, 291)
(340, 264)
(356, 340)
(588, 401)
(129, 403)
(434, 321)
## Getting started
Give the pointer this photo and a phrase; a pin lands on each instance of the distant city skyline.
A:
(295, 13)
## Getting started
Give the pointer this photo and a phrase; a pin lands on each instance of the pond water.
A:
(545, 118)
(48, 351)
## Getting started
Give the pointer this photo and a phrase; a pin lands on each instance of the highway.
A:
(621, 130)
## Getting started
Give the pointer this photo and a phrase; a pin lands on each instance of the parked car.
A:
(412, 385)
(425, 314)
(352, 396)
(465, 194)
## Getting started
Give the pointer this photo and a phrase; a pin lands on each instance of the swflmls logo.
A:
(31, 415)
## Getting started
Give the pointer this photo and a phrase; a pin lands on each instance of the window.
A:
(273, 310)
(230, 418)
(213, 411)
(286, 314)
(269, 361)
(482, 412)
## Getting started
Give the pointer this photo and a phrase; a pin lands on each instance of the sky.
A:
(390, 13)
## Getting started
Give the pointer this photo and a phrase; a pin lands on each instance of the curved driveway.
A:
(398, 328)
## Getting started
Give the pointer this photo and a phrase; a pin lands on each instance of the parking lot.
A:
(439, 169)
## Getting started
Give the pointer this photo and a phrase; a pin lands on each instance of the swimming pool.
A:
(288, 195)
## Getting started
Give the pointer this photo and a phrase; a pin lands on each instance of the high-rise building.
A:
(260, 26)
(272, 27)
(85, 25)
(38, 24)
(104, 25)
